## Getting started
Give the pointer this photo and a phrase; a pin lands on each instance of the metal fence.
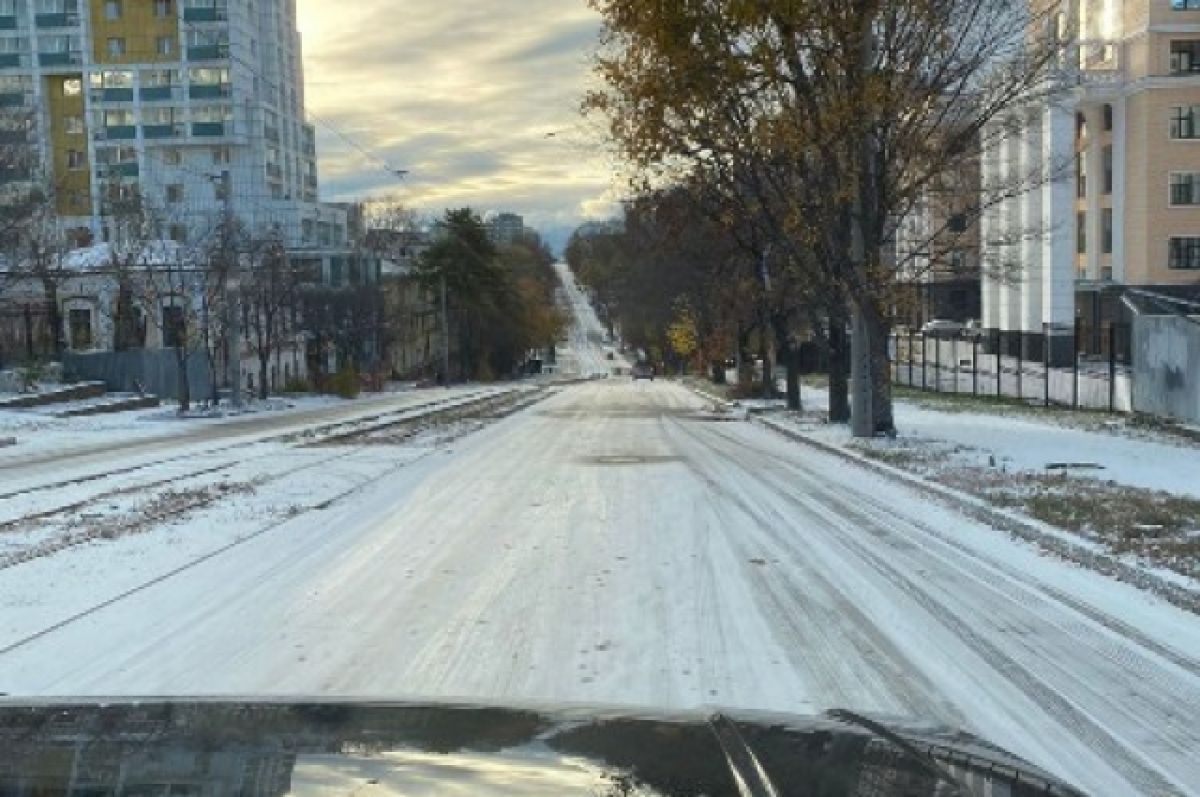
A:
(142, 370)
(979, 366)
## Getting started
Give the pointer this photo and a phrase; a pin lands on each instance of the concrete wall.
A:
(1166, 353)
(155, 370)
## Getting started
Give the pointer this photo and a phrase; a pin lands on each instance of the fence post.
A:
(1075, 367)
(1020, 374)
(1112, 367)
(937, 363)
(1046, 364)
(999, 365)
(912, 354)
(975, 366)
(924, 362)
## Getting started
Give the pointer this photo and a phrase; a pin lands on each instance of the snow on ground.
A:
(1134, 458)
(615, 544)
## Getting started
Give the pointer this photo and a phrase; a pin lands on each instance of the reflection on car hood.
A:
(322, 748)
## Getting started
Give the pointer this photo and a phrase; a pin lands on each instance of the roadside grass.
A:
(1155, 526)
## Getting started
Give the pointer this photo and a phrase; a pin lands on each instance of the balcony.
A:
(8, 23)
(208, 129)
(208, 91)
(208, 52)
(157, 93)
(117, 133)
(210, 14)
(120, 170)
(274, 171)
(14, 99)
(115, 95)
(58, 20)
(9, 60)
(59, 59)
(162, 131)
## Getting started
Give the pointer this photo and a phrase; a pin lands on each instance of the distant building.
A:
(505, 229)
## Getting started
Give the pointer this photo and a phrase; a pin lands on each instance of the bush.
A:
(296, 385)
(344, 384)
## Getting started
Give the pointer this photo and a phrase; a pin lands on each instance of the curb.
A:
(1041, 535)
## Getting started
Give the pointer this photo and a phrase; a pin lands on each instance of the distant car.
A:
(643, 371)
(943, 328)
(611, 356)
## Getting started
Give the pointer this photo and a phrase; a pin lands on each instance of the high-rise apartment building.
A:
(199, 102)
(1123, 144)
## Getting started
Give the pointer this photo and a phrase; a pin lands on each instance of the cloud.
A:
(478, 101)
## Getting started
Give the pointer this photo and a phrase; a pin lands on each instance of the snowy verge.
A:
(1173, 587)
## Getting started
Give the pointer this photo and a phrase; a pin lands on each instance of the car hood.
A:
(380, 749)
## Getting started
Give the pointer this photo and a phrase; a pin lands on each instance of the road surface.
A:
(618, 543)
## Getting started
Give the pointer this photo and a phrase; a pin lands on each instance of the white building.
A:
(1119, 197)
(200, 102)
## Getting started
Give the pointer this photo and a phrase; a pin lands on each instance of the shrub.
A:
(296, 385)
(344, 384)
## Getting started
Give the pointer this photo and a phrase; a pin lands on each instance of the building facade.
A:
(1115, 201)
(198, 102)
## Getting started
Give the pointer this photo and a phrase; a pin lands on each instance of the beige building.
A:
(1123, 144)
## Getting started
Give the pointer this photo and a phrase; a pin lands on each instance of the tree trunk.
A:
(788, 354)
(878, 330)
(58, 338)
(839, 368)
(768, 374)
(862, 404)
(264, 362)
(185, 383)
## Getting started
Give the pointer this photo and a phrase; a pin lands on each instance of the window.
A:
(1081, 233)
(172, 156)
(165, 45)
(79, 321)
(174, 327)
(119, 118)
(1107, 155)
(179, 233)
(1185, 5)
(1183, 253)
(1081, 174)
(1185, 188)
(76, 160)
(1080, 126)
(72, 87)
(73, 125)
(212, 114)
(220, 155)
(1106, 231)
(116, 46)
(112, 9)
(220, 192)
(1185, 57)
(957, 223)
(158, 78)
(175, 193)
(1108, 117)
(1183, 122)
(162, 8)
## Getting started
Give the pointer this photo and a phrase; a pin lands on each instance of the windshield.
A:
(838, 361)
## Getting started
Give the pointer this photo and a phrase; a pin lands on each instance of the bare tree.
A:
(268, 293)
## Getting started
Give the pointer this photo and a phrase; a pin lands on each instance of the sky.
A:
(477, 99)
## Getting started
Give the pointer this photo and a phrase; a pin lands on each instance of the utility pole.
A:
(233, 327)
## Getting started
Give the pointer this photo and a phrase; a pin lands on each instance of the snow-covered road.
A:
(616, 544)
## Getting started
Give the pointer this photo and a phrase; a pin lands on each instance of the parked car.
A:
(643, 370)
